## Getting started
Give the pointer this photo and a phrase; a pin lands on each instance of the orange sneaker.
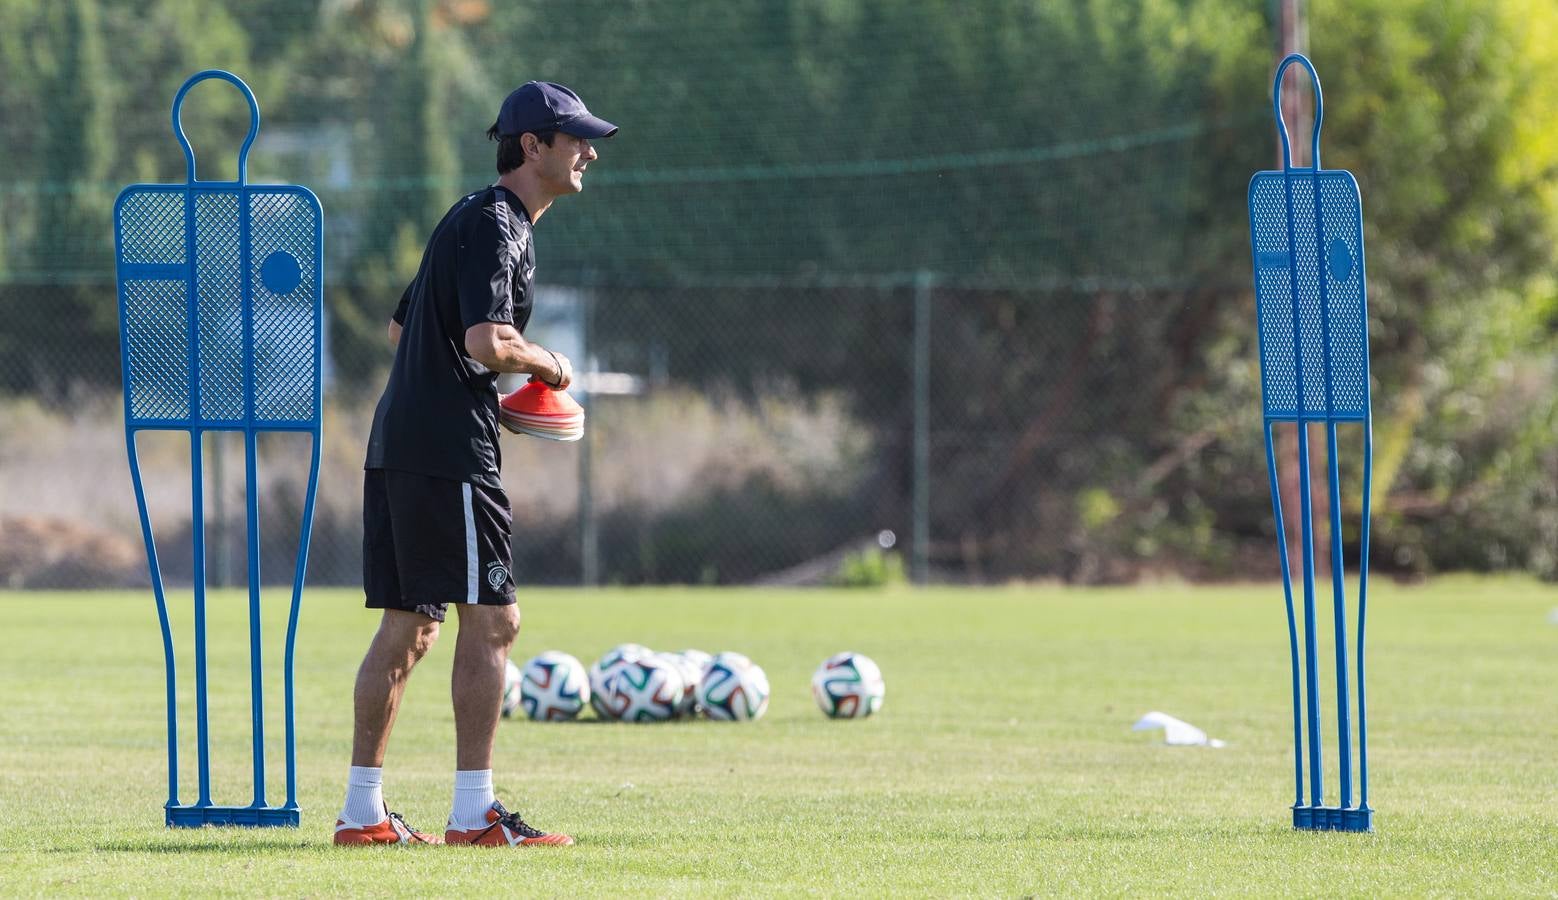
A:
(505, 829)
(391, 830)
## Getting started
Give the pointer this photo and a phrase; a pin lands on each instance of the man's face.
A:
(561, 166)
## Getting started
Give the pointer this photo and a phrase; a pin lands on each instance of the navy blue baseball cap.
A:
(546, 106)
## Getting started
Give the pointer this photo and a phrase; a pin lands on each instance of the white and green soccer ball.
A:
(693, 664)
(631, 651)
(603, 668)
(649, 689)
(690, 663)
(734, 689)
(511, 679)
(553, 687)
(848, 686)
(696, 657)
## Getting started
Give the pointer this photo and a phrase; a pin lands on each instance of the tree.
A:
(74, 149)
(408, 51)
(66, 225)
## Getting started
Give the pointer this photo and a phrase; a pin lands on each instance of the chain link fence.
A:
(737, 433)
(861, 292)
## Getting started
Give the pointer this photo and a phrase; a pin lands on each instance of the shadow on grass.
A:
(1177, 830)
(596, 720)
(205, 845)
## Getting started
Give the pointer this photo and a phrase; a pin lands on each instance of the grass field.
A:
(1002, 763)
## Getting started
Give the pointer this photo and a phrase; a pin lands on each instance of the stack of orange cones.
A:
(542, 412)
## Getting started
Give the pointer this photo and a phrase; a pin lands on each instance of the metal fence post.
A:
(589, 538)
(920, 562)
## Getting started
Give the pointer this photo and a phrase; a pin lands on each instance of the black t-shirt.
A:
(439, 412)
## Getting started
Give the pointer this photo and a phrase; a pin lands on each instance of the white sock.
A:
(364, 796)
(473, 796)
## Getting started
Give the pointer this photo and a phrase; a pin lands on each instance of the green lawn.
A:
(1002, 763)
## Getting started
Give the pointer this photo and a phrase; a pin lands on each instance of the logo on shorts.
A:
(497, 576)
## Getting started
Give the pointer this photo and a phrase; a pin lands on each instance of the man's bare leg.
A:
(481, 652)
(402, 640)
(480, 655)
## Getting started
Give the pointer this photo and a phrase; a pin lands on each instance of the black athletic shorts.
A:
(428, 542)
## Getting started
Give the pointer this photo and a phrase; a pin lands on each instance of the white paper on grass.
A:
(1176, 732)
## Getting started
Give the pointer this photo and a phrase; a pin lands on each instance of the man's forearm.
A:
(512, 353)
(501, 348)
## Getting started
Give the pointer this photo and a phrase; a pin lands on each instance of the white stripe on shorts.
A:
(470, 545)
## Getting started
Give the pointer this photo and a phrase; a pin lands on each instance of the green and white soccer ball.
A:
(553, 687)
(696, 657)
(848, 686)
(649, 689)
(631, 651)
(734, 689)
(690, 664)
(602, 670)
(511, 679)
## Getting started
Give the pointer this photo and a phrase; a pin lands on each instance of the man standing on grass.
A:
(436, 520)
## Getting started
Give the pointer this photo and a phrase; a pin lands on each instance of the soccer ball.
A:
(605, 667)
(553, 687)
(690, 664)
(734, 689)
(694, 662)
(697, 658)
(635, 651)
(510, 688)
(643, 690)
(848, 686)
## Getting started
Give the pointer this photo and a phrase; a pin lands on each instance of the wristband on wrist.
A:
(558, 384)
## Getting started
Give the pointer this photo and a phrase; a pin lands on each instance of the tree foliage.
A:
(1070, 176)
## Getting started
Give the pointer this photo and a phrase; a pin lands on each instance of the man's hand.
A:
(394, 333)
(562, 374)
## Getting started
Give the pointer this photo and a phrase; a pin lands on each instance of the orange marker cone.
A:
(540, 411)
